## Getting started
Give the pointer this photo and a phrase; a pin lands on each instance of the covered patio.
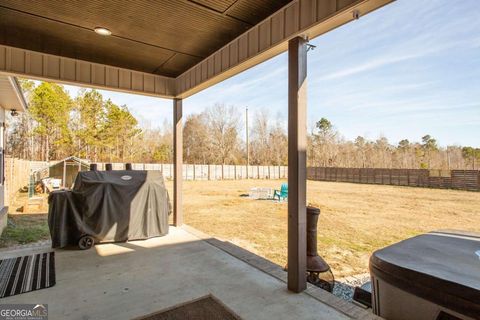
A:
(133, 279)
(174, 49)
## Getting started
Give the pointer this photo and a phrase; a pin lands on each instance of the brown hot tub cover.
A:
(442, 267)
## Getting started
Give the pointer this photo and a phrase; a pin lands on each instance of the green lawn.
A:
(22, 229)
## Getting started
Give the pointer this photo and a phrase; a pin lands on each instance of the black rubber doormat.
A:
(204, 308)
(28, 273)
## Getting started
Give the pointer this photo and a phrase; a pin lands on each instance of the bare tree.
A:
(223, 125)
(196, 142)
(259, 143)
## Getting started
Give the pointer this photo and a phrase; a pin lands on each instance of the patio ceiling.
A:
(164, 37)
(165, 48)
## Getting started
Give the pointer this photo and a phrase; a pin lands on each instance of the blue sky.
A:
(409, 69)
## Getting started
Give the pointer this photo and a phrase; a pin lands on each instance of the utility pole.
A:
(248, 144)
(448, 158)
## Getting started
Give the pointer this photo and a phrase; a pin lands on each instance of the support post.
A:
(248, 141)
(297, 166)
(177, 162)
(64, 177)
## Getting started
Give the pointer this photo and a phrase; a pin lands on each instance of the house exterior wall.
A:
(3, 208)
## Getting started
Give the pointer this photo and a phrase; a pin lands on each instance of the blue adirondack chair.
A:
(281, 194)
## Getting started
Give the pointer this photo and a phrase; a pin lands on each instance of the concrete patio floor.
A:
(128, 280)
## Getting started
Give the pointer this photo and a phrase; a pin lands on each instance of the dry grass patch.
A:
(355, 219)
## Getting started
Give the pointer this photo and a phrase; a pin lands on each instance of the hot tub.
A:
(431, 276)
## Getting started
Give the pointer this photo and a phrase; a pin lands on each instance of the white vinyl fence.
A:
(210, 171)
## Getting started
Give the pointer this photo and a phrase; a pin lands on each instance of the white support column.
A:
(297, 166)
(64, 176)
(177, 162)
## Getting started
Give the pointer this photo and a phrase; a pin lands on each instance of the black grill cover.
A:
(442, 267)
(110, 206)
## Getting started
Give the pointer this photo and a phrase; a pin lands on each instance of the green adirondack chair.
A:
(281, 194)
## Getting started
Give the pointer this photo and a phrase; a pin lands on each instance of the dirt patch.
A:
(22, 204)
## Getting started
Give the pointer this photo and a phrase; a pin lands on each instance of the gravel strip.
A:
(344, 287)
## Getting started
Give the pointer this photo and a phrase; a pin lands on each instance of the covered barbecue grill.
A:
(109, 206)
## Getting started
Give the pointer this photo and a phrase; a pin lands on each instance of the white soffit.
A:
(11, 95)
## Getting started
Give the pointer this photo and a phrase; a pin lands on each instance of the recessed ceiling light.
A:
(102, 31)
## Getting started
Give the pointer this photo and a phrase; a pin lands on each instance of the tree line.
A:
(91, 127)
(327, 148)
(88, 126)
